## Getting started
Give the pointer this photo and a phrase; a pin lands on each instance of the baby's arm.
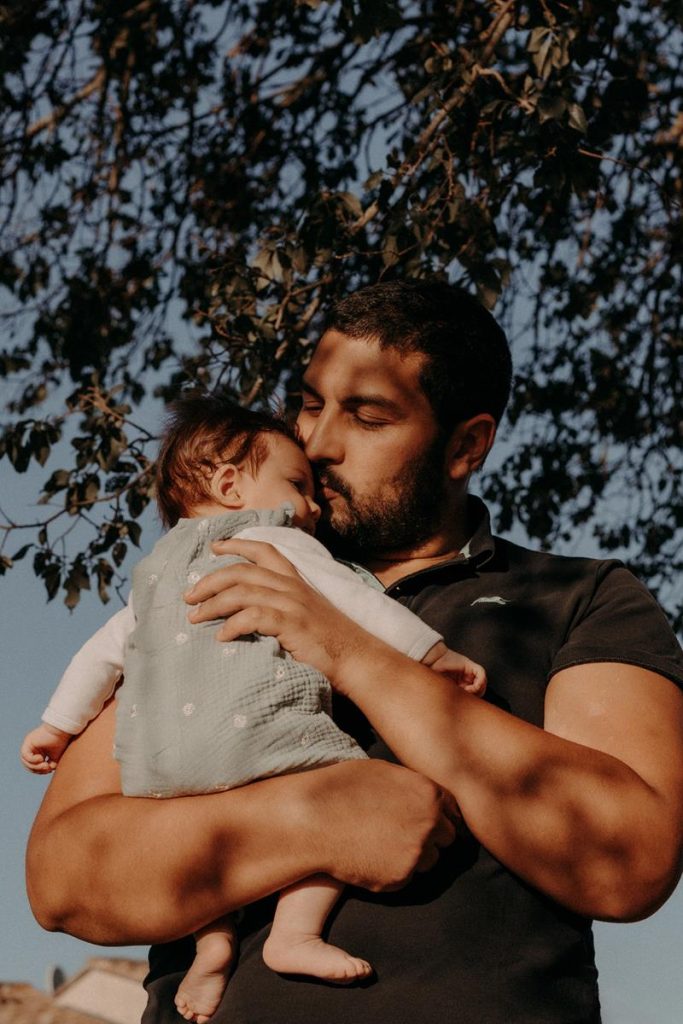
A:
(374, 610)
(84, 688)
(466, 673)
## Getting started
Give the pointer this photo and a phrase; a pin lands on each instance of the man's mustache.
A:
(328, 478)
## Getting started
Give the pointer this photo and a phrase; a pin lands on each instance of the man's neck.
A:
(443, 546)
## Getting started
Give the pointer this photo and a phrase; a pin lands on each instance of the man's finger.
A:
(250, 620)
(215, 583)
(450, 807)
(444, 833)
(428, 859)
(257, 551)
(236, 598)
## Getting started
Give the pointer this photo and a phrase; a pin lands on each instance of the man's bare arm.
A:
(589, 810)
(114, 869)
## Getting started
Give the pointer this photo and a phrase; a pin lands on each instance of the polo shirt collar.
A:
(481, 547)
(475, 554)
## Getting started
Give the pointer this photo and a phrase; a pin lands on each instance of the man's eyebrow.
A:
(354, 401)
(379, 401)
(357, 401)
(308, 389)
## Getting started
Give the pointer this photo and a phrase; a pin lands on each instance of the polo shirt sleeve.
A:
(620, 621)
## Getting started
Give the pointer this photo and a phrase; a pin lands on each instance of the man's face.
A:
(371, 435)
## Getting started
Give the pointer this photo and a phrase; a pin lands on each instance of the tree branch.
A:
(491, 37)
(55, 116)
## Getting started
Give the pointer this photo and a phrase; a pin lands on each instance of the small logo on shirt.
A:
(490, 600)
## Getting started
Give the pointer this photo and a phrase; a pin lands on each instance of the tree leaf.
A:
(577, 118)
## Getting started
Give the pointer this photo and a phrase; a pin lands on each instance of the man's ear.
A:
(225, 486)
(469, 445)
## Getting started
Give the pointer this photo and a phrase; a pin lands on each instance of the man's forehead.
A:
(342, 364)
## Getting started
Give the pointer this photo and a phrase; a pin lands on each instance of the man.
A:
(569, 776)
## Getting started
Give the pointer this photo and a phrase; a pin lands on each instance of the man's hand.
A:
(269, 597)
(394, 820)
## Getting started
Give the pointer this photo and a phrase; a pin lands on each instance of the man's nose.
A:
(323, 443)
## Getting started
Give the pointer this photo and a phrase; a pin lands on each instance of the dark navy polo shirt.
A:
(469, 942)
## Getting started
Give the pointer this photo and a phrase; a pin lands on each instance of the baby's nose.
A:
(315, 509)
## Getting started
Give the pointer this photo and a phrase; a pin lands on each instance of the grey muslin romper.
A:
(196, 715)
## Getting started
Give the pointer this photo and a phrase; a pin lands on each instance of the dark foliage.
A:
(187, 185)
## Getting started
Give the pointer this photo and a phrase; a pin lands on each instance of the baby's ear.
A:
(225, 486)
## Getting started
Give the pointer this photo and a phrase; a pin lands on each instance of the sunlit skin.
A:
(284, 475)
(365, 421)
(588, 810)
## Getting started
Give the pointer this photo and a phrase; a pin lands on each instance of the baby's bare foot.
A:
(203, 986)
(308, 954)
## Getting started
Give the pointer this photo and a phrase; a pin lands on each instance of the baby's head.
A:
(216, 457)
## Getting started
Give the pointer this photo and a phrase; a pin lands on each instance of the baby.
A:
(195, 715)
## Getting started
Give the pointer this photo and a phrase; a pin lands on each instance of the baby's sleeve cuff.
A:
(70, 725)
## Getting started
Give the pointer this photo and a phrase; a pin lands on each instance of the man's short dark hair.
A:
(202, 431)
(468, 368)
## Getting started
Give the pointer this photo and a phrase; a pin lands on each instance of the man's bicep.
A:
(87, 768)
(629, 712)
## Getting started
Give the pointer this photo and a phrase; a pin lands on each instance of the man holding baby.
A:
(563, 785)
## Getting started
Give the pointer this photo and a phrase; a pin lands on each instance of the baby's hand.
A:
(43, 747)
(467, 674)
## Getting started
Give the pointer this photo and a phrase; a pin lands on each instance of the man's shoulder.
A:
(518, 557)
(601, 610)
(579, 581)
(490, 552)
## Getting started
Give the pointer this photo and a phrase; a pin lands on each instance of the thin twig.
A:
(630, 167)
(55, 116)
(491, 37)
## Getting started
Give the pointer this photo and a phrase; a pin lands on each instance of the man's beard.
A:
(405, 512)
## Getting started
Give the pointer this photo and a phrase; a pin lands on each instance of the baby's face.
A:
(284, 475)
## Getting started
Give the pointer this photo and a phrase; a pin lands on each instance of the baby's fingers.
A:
(474, 679)
(30, 755)
(35, 761)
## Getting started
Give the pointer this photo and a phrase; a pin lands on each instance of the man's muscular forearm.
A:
(113, 869)
(588, 811)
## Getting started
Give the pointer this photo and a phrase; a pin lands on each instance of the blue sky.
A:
(641, 977)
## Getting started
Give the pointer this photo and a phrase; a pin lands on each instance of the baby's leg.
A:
(295, 946)
(203, 986)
